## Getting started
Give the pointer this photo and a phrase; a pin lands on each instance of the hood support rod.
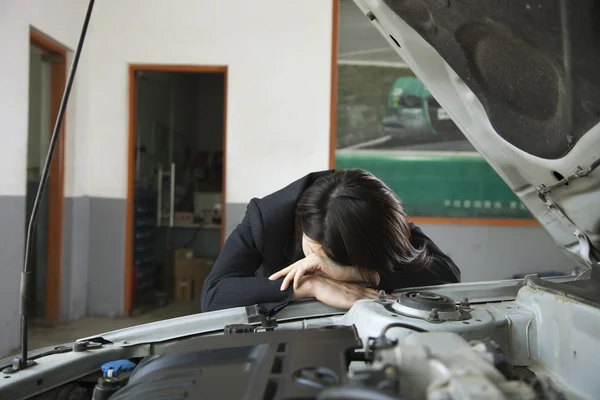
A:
(580, 173)
(21, 363)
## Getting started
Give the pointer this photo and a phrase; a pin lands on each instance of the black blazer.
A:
(265, 242)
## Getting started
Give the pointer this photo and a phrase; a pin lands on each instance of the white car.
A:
(517, 339)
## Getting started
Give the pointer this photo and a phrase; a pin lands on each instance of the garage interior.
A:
(179, 133)
(154, 129)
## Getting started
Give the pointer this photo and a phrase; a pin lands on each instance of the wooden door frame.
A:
(334, 81)
(129, 230)
(56, 178)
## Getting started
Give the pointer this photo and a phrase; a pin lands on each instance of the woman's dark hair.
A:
(359, 222)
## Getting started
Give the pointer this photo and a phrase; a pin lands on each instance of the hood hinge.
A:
(585, 248)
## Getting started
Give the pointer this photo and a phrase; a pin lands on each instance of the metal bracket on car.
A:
(585, 248)
(544, 195)
(584, 243)
(543, 190)
(555, 209)
(254, 314)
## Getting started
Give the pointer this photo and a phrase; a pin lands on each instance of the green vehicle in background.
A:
(414, 115)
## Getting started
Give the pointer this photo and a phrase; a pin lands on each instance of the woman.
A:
(324, 236)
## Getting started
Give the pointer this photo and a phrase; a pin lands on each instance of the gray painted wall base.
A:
(74, 272)
(481, 252)
(12, 244)
(93, 276)
(93, 259)
(106, 263)
(486, 253)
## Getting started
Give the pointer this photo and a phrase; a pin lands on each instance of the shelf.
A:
(194, 226)
(198, 226)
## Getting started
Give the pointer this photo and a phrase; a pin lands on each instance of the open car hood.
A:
(520, 80)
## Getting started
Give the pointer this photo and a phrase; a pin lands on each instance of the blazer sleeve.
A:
(441, 271)
(232, 282)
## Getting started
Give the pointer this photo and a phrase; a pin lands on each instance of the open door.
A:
(177, 185)
(153, 161)
(47, 78)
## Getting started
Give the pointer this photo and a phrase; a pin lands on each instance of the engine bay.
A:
(327, 363)
(427, 343)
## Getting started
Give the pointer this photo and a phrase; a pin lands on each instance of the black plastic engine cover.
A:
(282, 364)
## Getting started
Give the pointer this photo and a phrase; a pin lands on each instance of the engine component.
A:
(71, 391)
(263, 365)
(105, 388)
(355, 393)
(442, 365)
(238, 328)
(384, 379)
(491, 351)
(269, 324)
(546, 389)
(431, 307)
(314, 363)
(113, 368)
(85, 345)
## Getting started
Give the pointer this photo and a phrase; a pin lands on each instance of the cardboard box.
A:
(190, 273)
(200, 269)
(183, 254)
(183, 289)
(179, 270)
(183, 269)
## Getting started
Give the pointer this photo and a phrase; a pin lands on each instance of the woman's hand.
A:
(306, 288)
(340, 294)
(331, 292)
(318, 265)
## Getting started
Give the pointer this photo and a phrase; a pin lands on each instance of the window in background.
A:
(389, 124)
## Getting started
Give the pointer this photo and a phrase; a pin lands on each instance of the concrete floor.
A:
(49, 336)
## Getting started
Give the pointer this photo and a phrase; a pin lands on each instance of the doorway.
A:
(47, 77)
(176, 180)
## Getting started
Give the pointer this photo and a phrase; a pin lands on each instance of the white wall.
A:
(16, 17)
(279, 59)
(61, 21)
